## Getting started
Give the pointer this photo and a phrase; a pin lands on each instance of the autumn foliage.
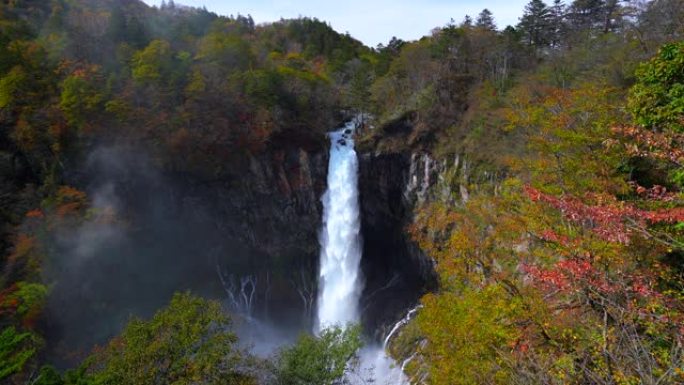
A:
(578, 249)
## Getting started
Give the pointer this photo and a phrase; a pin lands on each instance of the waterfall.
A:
(340, 281)
(400, 324)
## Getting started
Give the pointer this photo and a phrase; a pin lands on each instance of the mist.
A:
(147, 236)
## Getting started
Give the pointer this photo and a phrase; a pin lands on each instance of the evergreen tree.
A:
(536, 24)
(587, 15)
(485, 20)
(558, 27)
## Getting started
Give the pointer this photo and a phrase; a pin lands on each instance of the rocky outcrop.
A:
(274, 205)
(17, 195)
(248, 236)
(397, 272)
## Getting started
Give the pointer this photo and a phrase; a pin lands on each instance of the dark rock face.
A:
(252, 230)
(253, 227)
(274, 211)
(17, 196)
(276, 202)
(397, 273)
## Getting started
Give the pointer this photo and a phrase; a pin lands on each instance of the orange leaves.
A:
(8, 302)
(24, 301)
(69, 201)
(70, 193)
(23, 246)
(34, 214)
(26, 136)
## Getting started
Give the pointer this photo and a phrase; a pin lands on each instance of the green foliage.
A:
(533, 293)
(30, 298)
(48, 375)
(564, 128)
(319, 360)
(657, 99)
(16, 349)
(10, 85)
(533, 105)
(226, 49)
(187, 342)
(153, 63)
(264, 87)
(464, 330)
(80, 98)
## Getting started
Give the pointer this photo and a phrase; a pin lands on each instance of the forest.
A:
(550, 212)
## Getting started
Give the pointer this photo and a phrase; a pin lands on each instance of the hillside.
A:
(521, 185)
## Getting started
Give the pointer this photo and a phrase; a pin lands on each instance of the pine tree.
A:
(536, 24)
(485, 20)
(585, 15)
(558, 27)
(467, 22)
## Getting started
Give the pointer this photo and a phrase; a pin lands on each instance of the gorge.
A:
(182, 202)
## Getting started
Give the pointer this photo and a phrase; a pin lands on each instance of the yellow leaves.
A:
(566, 130)
(464, 330)
(196, 84)
(11, 84)
(149, 63)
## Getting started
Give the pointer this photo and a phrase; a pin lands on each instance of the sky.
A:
(371, 21)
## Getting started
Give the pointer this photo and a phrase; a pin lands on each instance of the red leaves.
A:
(569, 275)
(581, 274)
(551, 236)
(649, 144)
(664, 216)
(549, 279)
(655, 193)
(610, 219)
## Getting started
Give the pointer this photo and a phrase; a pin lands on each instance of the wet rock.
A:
(397, 272)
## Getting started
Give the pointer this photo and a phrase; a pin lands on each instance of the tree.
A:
(464, 330)
(319, 360)
(660, 22)
(535, 24)
(360, 82)
(187, 342)
(467, 22)
(657, 99)
(154, 63)
(16, 349)
(485, 20)
(557, 23)
(81, 96)
(592, 16)
(11, 85)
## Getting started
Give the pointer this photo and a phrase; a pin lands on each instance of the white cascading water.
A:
(340, 281)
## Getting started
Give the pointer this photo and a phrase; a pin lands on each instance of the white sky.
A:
(371, 21)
